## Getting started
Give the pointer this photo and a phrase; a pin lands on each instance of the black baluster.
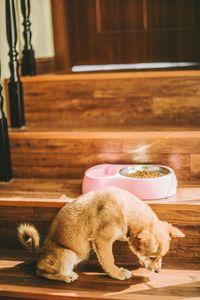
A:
(14, 86)
(5, 162)
(28, 56)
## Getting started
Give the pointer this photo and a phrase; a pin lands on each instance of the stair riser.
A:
(68, 155)
(186, 217)
(68, 102)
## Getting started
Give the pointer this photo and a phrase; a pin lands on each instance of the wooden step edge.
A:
(34, 202)
(40, 134)
(18, 280)
(111, 75)
(29, 292)
(183, 197)
(44, 127)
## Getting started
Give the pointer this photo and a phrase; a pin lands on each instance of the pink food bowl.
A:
(104, 175)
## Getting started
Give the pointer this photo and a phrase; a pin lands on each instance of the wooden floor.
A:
(40, 188)
(54, 192)
(18, 279)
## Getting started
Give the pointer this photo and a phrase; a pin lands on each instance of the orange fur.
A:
(96, 220)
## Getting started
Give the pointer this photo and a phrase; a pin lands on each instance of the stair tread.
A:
(108, 130)
(111, 75)
(55, 193)
(18, 279)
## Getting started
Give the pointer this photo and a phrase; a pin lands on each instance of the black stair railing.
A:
(5, 161)
(28, 56)
(15, 90)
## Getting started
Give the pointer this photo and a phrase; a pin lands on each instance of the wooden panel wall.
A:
(69, 154)
(124, 100)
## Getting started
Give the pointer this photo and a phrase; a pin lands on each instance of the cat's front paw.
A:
(72, 277)
(122, 274)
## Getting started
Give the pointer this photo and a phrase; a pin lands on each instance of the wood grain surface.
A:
(150, 117)
(51, 154)
(54, 193)
(38, 202)
(113, 99)
(18, 279)
(186, 217)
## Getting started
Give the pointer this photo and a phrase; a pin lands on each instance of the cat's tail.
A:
(29, 237)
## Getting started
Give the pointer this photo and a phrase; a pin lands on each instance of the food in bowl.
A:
(145, 174)
(144, 171)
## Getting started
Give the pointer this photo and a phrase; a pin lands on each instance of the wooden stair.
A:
(38, 200)
(125, 99)
(76, 121)
(18, 280)
(67, 154)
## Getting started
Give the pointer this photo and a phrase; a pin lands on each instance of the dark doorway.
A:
(101, 32)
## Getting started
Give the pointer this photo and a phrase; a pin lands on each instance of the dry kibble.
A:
(145, 174)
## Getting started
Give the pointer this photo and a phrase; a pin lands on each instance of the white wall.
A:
(42, 32)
